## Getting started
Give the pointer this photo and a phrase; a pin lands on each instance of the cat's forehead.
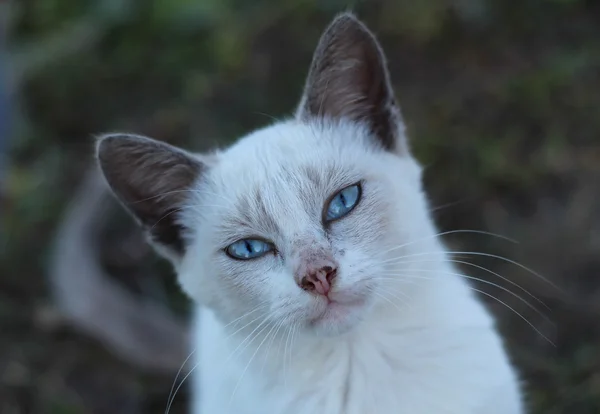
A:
(292, 154)
(286, 171)
(281, 153)
(292, 158)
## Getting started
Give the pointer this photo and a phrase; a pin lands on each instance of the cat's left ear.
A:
(348, 79)
(154, 181)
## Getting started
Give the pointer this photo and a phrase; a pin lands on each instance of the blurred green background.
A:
(502, 101)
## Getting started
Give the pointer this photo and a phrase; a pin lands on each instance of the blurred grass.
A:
(503, 108)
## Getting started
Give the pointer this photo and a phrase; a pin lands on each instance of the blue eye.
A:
(343, 202)
(246, 249)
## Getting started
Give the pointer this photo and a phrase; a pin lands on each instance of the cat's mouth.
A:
(337, 310)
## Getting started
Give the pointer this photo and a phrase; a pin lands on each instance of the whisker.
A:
(399, 259)
(484, 269)
(517, 313)
(487, 282)
(245, 326)
(166, 193)
(266, 320)
(249, 362)
(294, 331)
(279, 325)
(267, 115)
(447, 205)
(175, 380)
(179, 386)
(486, 233)
(253, 337)
(288, 348)
(405, 301)
(377, 293)
(507, 280)
(505, 259)
(493, 297)
(180, 209)
(196, 365)
(224, 197)
(289, 331)
(258, 307)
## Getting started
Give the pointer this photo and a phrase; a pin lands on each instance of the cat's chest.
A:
(349, 384)
(399, 376)
(329, 383)
(346, 381)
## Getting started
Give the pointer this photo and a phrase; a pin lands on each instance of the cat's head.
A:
(302, 221)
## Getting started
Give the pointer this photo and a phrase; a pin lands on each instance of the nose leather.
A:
(314, 266)
(319, 281)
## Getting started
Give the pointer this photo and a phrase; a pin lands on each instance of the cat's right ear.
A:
(153, 181)
(349, 80)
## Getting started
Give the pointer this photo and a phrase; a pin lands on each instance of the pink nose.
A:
(319, 281)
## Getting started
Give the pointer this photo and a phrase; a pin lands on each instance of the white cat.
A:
(321, 283)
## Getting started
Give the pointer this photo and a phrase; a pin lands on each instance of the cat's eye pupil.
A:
(342, 203)
(246, 249)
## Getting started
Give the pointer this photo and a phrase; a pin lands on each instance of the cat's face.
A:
(300, 222)
(289, 200)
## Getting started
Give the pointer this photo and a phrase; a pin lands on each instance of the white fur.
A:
(420, 342)
(402, 332)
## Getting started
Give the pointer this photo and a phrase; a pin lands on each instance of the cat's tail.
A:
(145, 334)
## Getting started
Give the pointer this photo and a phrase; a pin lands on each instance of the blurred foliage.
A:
(502, 103)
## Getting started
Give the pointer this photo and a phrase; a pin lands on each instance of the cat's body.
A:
(429, 348)
(322, 285)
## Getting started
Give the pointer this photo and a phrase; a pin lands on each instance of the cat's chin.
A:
(337, 318)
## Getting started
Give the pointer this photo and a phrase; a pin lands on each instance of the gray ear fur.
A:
(348, 79)
(152, 179)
